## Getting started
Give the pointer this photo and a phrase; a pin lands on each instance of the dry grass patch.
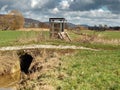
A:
(9, 63)
(33, 37)
(45, 67)
(34, 29)
(97, 38)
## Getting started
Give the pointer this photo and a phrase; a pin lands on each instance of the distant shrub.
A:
(12, 21)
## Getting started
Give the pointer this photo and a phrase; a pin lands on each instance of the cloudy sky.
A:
(91, 12)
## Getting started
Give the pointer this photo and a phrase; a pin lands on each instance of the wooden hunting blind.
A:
(57, 25)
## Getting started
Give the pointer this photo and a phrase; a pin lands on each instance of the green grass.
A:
(8, 36)
(105, 34)
(84, 70)
(89, 70)
(111, 34)
(11, 38)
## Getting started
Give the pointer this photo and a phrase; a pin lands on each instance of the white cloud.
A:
(34, 3)
(64, 4)
(88, 1)
(102, 14)
(55, 10)
(28, 14)
(38, 3)
(84, 1)
(75, 11)
(3, 9)
(93, 17)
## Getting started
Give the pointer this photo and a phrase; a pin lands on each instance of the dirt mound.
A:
(9, 63)
(9, 68)
(43, 63)
(46, 63)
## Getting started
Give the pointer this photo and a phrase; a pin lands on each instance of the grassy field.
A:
(87, 70)
(83, 70)
(105, 34)
(10, 38)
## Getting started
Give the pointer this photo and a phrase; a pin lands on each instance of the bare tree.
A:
(17, 19)
(13, 20)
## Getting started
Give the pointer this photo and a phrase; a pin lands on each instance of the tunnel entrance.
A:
(25, 62)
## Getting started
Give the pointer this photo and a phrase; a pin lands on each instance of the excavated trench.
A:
(13, 63)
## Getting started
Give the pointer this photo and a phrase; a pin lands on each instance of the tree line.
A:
(12, 21)
(103, 28)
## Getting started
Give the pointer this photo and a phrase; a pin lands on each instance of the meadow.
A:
(91, 39)
(10, 38)
(87, 70)
(84, 69)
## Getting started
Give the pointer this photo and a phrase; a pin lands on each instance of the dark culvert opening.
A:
(25, 62)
